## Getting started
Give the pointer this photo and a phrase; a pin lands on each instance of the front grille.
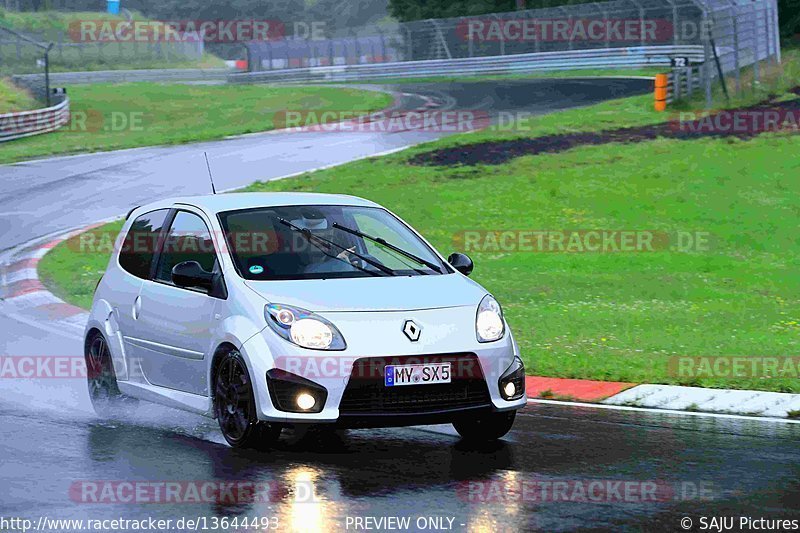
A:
(366, 392)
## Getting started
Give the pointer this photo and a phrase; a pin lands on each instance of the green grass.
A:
(13, 98)
(48, 23)
(149, 114)
(71, 271)
(622, 316)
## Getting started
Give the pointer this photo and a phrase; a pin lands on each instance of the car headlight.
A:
(489, 323)
(303, 328)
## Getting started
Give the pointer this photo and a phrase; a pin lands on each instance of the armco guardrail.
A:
(679, 83)
(683, 82)
(608, 58)
(124, 76)
(28, 123)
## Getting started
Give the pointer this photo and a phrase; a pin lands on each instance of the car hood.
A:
(373, 294)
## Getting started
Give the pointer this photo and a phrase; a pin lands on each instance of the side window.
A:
(187, 240)
(138, 249)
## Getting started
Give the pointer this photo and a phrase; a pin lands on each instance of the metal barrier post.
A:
(502, 36)
(776, 24)
(675, 32)
(641, 19)
(47, 73)
(409, 47)
(768, 30)
(569, 19)
(756, 53)
(736, 59)
(464, 23)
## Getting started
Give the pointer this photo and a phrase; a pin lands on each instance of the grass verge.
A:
(606, 316)
(13, 98)
(116, 116)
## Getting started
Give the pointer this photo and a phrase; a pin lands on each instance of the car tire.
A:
(486, 427)
(235, 406)
(101, 379)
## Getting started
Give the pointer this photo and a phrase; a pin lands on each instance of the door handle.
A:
(137, 307)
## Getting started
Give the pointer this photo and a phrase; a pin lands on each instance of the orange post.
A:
(661, 92)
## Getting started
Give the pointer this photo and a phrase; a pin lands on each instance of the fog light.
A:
(512, 382)
(305, 401)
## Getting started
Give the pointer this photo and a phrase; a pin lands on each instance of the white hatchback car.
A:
(281, 309)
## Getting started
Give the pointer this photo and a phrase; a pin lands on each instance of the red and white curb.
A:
(723, 401)
(664, 398)
(23, 294)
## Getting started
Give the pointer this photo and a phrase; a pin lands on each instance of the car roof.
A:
(217, 203)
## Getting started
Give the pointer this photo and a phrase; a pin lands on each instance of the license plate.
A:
(429, 374)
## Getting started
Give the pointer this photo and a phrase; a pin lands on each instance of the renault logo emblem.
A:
(412, 330)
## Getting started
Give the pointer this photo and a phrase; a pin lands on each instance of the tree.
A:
(407, 10)
(789, 15)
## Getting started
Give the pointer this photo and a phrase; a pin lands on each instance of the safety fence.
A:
(20, 52)
(28, 123)
(733, 35)
(741, 39)
(743, 34)
(596, 25)
(611, 58)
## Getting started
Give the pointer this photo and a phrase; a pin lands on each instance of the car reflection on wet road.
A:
(561, 468)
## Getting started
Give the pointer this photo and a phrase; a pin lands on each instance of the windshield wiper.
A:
(390, 246)
(311, 238)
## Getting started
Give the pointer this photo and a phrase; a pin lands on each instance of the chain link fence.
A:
(742, 38)
(734, 34)
(20, 54)
(617, 24)
(58, 44)
(17, 56)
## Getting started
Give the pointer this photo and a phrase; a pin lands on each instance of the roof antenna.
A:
(210, 176)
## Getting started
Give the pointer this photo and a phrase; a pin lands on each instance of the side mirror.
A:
(462, 263)
(190, 274)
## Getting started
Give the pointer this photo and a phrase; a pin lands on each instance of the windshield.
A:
(321, 241)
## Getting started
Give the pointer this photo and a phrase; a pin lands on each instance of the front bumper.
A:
(339, 375)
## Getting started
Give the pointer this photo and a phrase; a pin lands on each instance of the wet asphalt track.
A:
(49, 441)
(701, 466)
